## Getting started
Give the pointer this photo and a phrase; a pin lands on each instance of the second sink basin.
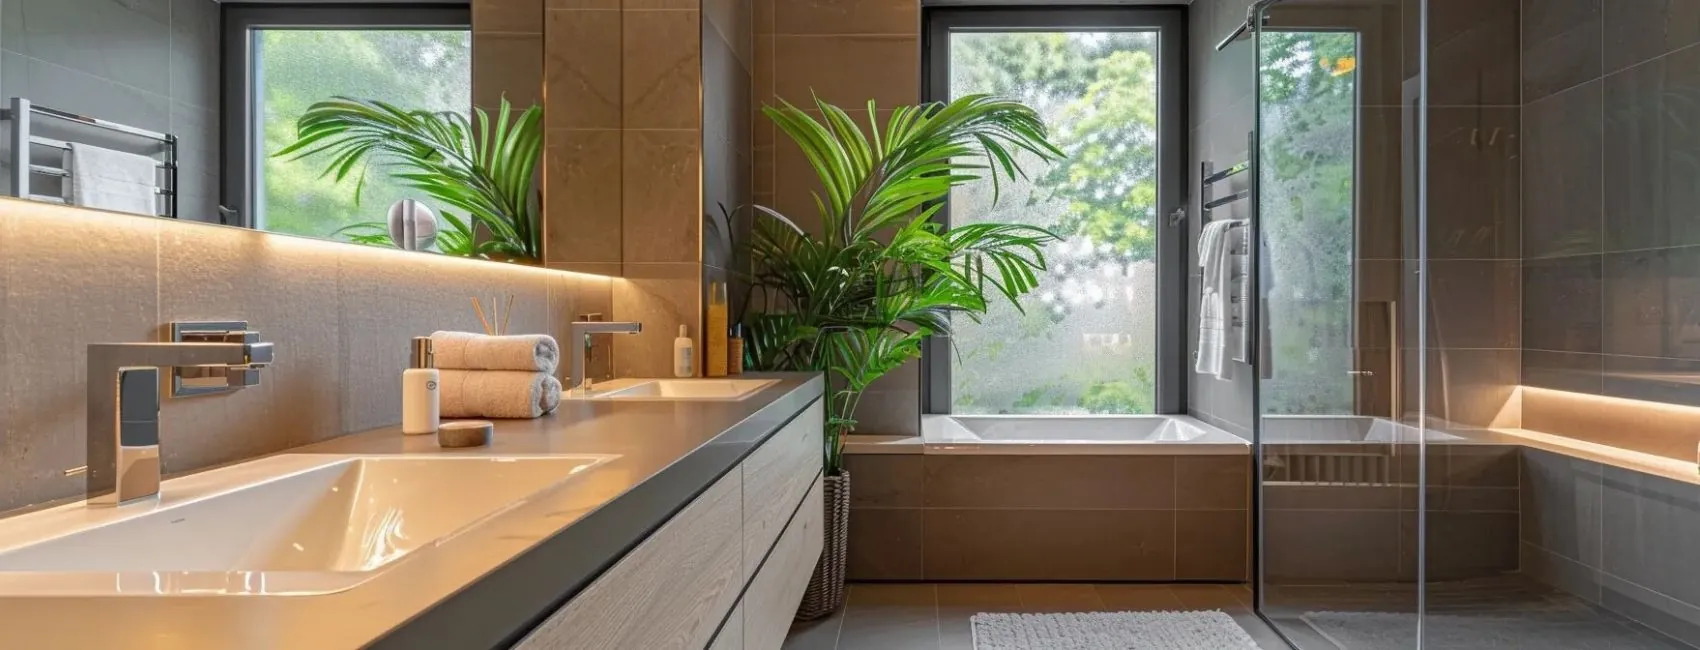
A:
(676, 389)
(285, 524)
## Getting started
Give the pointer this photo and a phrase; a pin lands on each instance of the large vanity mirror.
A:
(217, 112)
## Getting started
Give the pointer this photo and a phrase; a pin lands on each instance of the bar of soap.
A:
(464, 433)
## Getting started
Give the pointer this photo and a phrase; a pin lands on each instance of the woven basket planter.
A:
(826, 587)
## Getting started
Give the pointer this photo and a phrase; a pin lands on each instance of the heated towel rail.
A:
(21, 114)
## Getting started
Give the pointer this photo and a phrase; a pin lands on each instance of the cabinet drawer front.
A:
(772, 598)
(776, 477)
(672, 591)
(731, 636)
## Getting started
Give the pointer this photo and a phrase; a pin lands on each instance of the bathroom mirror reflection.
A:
(354, 122)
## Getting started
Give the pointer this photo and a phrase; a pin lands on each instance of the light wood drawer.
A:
(672, 591)
(731, 636)
(772, 598)
(776, 477)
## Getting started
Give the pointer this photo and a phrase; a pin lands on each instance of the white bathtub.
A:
(1076, 435)
(1324, 429)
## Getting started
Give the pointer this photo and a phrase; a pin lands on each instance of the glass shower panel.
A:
(1339, 474)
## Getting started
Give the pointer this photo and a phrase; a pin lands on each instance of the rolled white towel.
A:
(497, 394)
(470, 351)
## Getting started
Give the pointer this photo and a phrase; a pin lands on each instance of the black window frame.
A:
(241, 149)
(1172, 256)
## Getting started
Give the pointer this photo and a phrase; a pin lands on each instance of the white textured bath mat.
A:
(1110, 631)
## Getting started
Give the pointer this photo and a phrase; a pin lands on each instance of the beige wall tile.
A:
(970, 544)
(582, 219)
(662, 67)
(340, 317)
(582, 72)
(507, 64)
(1212, 544)
(507, 15)
(71, 278)
(886, 480)
(1125, 482)
(848, 70)
(847, 17)
(662, 196)
(662, 297)
(885, 544)
(286, 289)
(582, 4)
(1213, 482)
(631, 5)
(763, 11)
(383, 304)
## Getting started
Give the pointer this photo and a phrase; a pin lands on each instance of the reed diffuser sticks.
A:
(497, 322)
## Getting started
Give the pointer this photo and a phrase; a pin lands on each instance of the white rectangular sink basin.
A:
(289, 524)
(676, 389)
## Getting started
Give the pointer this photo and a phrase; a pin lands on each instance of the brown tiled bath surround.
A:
(958, 517)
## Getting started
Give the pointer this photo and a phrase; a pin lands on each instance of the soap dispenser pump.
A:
(419, 407)
(684, 353)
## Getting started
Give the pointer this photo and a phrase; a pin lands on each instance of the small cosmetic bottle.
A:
(419, 414)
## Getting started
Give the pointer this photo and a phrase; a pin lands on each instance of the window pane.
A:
(1307, 188)
(1087, 340)
(412, 69)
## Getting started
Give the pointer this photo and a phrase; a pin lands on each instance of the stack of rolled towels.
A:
(481, 376)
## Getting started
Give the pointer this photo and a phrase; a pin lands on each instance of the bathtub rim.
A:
(1222, 442)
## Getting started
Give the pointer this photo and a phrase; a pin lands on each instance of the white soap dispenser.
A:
(419, 414)
(684, 355)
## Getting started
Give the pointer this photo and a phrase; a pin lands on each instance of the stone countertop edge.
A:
(498, 610)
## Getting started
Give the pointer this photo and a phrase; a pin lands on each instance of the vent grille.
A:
(1329, 469)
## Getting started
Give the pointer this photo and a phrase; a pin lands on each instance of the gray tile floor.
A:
(935, 616)
(1510, 595)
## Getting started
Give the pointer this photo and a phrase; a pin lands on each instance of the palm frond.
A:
(487, 171)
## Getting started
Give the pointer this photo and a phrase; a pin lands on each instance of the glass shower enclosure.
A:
(1384, 170)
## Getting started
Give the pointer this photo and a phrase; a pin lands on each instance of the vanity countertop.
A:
(485, 587)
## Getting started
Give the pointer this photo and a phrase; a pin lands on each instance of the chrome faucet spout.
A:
(123, 408)
(578, 340)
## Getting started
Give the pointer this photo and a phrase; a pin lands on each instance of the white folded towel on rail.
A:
(113, 180)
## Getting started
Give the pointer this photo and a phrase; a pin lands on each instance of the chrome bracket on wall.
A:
(192, 381)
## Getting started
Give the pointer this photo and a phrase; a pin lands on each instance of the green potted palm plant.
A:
(486, 168)
(856, 298)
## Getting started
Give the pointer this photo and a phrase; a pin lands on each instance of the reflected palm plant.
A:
(485, 168)
(856, 299)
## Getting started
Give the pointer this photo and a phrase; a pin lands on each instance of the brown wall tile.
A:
(969, 544)
(661, 57)
(1128, 482)
(582, 68)
(885, 544)
(1212, 544)
(886, 480)
(507, 15)
(1212, 482)
(847, 17)
(662, 196)
(582, 193)
(662, 297)
(507, 64)
(848, 70)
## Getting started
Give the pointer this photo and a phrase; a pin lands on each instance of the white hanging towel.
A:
(113, 180)
(1215, 259)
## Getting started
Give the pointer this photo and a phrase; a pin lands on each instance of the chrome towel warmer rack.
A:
(21, 114)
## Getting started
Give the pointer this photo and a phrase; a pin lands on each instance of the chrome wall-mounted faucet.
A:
(578, 339)
(123, 404)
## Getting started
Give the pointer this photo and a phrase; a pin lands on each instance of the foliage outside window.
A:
(1086, 341)
(1308, 190)
(427, 70)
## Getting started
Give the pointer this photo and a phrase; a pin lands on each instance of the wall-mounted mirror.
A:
(214, 112)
